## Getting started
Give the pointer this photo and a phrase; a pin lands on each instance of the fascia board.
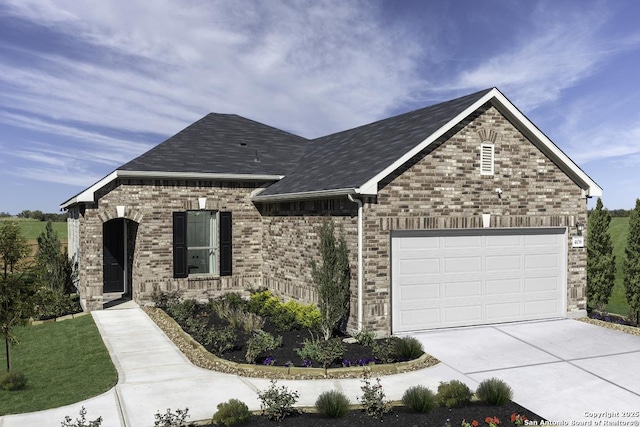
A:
(304, 195)
(546, 145)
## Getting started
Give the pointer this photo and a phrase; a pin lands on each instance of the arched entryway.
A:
(119, 242)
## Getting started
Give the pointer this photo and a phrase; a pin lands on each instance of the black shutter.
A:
(225, 244)
(180, 245)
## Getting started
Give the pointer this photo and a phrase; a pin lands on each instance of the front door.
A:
(113, 255)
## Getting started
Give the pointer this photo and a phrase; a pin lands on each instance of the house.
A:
(461, 213)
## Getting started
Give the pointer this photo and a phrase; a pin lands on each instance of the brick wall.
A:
(444, 190)
(150, 204)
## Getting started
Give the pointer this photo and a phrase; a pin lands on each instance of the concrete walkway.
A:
(154, 375)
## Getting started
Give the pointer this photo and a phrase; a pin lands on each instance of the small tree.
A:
(16, 289)
(601, 263)
(54, 268)
(631, 263)
(331, 279)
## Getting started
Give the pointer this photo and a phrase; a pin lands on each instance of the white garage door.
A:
(448, 278)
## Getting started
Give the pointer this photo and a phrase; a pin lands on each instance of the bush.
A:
(260, 343)
(366, 338)
(385, 350)
(82, 421)
(323, 352)
(50, 303)
(163, 300)
(419, 398)
(262, 303)
(12, 381)
(408, 348)
(494, 391)
(169, 419)
(284, 316)
(373, 399)
(277, 403)
(231, 413)
(453, 394)
(332, 404)
(183, 311)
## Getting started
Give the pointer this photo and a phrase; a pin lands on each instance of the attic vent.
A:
(486, 159)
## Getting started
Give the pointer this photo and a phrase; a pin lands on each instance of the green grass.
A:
(618, 229)
(64, 362)
(31, 228)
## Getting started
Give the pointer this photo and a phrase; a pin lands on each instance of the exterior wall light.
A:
(580, 227)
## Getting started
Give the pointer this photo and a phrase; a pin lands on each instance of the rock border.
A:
(615, 326)
(201, 357)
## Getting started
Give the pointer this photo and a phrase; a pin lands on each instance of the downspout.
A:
(360, 266)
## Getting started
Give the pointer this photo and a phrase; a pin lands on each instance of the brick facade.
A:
(274, 243)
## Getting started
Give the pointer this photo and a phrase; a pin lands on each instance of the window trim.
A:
(214, 244)
(487, 165)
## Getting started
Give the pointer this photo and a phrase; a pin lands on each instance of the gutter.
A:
(305, 195)
(360, 263)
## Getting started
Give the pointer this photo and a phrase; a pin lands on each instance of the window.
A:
(201, 242)
(197, 247)
(486, 158)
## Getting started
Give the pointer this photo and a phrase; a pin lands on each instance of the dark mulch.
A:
(286, 354)
(402, 416)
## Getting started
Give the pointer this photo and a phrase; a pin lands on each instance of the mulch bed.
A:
(401, 416)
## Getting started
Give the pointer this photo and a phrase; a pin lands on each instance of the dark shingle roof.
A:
(224, 143)
(351, 158)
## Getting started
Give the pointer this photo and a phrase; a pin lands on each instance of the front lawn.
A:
(64, 362)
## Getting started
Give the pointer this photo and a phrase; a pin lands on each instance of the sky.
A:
(86, 86)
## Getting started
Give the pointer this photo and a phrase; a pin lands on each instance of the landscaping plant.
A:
(55, 270)
(170, 419)
(12, 381)
(453, 394)
(333, 404)
(278, 403)
(601, 263)
(419, 398)
(631, 264)
(82, 421)
(331, 279)
(408, 348)
(373, 399)
(323, 352)
(494, 391)
(385, 350)
(231, 413)
(260, 343)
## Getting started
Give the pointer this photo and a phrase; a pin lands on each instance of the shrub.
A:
(252, 322)
(50, 303)
(419, 398)
(373, 399)
(601, 263)
(385, 350)
(169, 419)
(453, 393)
(163, 300)
(283, 317)
(220, 340)
(182, 311)
(366, 338)
(494, 391)
(231, 413)
(262, 303)
(82, 421)
(408, 348)
(332, 404)
(13, 381)
(259, 343)
(323, 352)
(277, 403)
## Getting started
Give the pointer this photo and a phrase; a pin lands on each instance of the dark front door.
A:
(113, 255)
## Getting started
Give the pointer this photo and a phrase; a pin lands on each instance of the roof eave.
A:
(318, 194)
(88, 195)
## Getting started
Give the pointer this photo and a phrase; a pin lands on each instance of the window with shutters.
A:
(201, 242)
(486, 159)
(197, 247)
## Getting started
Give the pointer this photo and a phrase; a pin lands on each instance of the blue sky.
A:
(86, 86)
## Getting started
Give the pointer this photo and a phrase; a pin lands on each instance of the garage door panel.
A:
(456, 264)
(462, 289)
(446, 278)
(495, 287)
(419, 266)
(503, 263)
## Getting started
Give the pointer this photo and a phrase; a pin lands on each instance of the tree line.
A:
(601, 262)
(38, 215)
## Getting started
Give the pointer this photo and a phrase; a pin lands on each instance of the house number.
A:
(577, 242)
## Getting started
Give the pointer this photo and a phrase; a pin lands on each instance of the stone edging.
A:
(199, 356)
(622, 328)
(58, 319)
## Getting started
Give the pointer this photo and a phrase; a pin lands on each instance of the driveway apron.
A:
(564, 370)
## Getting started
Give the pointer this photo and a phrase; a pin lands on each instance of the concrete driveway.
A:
(564, 370)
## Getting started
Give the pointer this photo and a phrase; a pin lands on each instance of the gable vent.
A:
(486, 159)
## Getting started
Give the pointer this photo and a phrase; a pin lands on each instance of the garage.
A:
(451, 278)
